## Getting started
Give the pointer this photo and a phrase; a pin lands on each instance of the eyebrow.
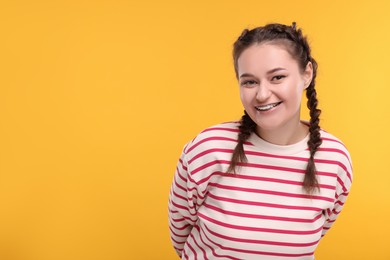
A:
(268, 72)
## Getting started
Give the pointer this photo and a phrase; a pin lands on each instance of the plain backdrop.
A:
(98, 98)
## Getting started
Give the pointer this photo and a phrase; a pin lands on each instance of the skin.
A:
(269, 75)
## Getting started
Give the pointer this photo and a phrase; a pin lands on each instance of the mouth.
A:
(268, 106)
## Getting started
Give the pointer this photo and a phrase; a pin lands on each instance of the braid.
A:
(310, 182)
(247, 126)
(297, 45)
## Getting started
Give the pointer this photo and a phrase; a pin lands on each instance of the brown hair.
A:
(298, 47)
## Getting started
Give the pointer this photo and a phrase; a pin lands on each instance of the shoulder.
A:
(332, 148)
(221, 135)
(332, 143)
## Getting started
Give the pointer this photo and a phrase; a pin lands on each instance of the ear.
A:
(308, 74)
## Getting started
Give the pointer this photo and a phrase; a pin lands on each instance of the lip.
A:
(267, 107)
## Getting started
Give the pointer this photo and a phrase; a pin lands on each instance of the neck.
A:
(285, 135)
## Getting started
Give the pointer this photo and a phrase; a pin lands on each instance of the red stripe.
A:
(257, 252)
(246, 177)
(179, 186)
(207, 178)
(179, 173)
(268, 155)
(262, 204)
(260, 166)
(329, 212)
(183, 207)
(175, 212)
(236, 122)
(209, 151)
(256, 241)
(336, 163)
(261, 154)
(259, 229)
(257, 178)
(193, 251)
(177, 219)
(206, 165)
(201, 248)
(333, 140)
(211, 247)
(214, 138)
(235, 130)
(256, 216)
(185, 202)
(188, 219)
(193, 189)
(345, 194)
(179, 228)
(182, 165)
(178, 242)
(253, 165)
(334, 150)
(177, 235)
(341, 184)
(180, 196)
(270, 192)
(335, 212)
(177, 249)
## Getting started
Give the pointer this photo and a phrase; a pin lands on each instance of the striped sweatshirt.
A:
(262, 211)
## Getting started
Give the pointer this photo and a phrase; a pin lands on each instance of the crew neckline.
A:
(264, 146)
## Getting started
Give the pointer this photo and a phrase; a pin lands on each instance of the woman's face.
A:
(271, 86)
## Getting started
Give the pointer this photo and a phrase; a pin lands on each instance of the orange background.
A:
(97, 99)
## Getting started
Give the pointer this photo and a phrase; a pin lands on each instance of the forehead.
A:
(264, 57)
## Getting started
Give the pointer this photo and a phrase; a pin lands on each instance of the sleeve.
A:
(343, 186)
(182, 205)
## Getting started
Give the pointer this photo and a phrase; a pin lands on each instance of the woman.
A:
(270, 185)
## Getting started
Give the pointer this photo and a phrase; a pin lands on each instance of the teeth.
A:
(267, 107)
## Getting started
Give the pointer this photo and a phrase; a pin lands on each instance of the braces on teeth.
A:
(267, 107)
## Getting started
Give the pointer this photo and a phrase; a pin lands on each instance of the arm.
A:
(182, 206)
(344, 181)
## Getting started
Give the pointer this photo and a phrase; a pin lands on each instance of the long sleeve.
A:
(182, 205)
(344, 182)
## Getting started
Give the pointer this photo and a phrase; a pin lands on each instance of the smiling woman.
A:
(271, 92)
(270, 185)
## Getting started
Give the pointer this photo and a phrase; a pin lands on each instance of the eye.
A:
(278, 77)
(248, 83)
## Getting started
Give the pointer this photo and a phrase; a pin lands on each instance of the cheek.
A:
(295, 93)
(245, 96)
(241, 94)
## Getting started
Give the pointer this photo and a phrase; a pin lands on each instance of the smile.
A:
(268, 107)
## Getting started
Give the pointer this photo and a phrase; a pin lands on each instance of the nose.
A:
(263, 92)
